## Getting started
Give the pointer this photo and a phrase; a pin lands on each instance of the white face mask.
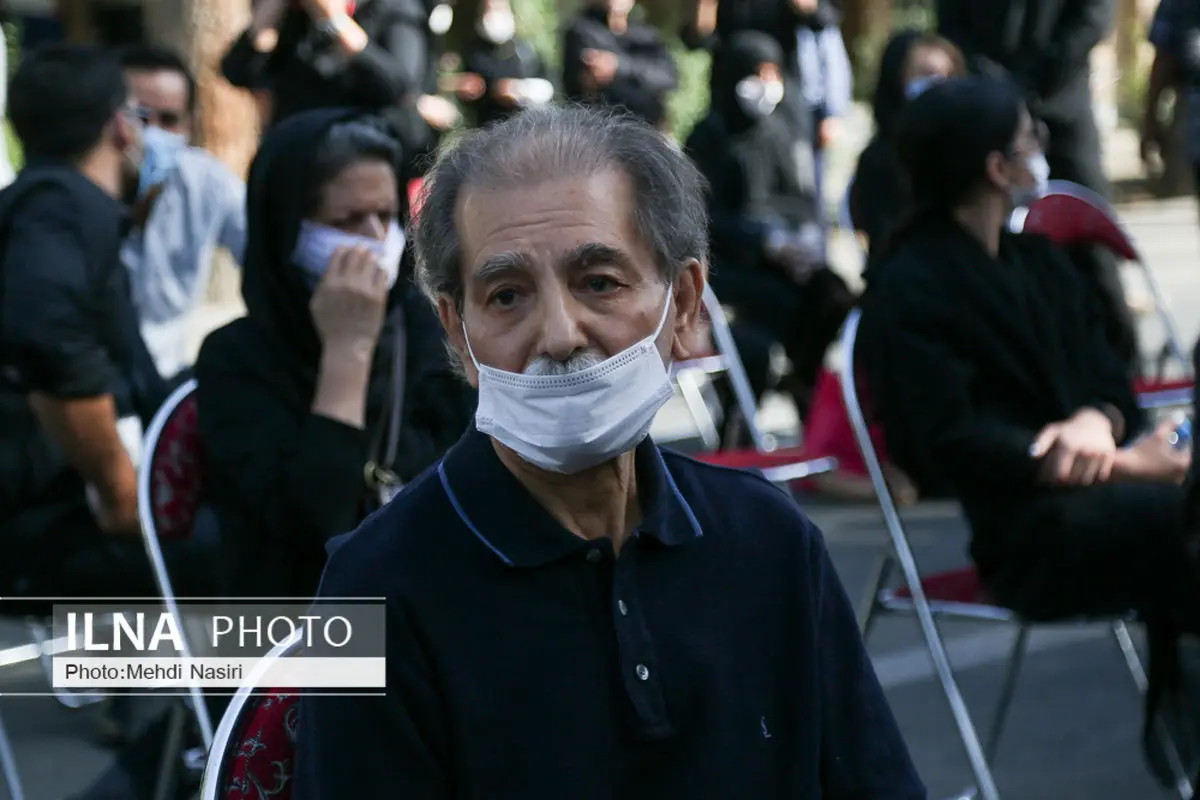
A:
(497, 27)
(757, 97)
(1039, 168)
(570, 422)
(317, 243)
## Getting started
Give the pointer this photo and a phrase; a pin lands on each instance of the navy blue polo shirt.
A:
(716, 657)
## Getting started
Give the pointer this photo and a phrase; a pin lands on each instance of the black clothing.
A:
(68, 329)
(967, 358)
(762, 177)
(646, 72)
(716, 657)
(282, 479)
(513, 59)
(880, 199)
(306, 71)
(1043, 46)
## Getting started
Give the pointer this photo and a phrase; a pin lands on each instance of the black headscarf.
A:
(770, 149)
(280, 185)
(889, 87)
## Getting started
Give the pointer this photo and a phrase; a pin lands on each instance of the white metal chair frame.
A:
(883, 600)
(154, 549)
(217, 766)
(729, 362)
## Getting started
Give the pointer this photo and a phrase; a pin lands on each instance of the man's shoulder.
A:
(401, 537)
(721, 494)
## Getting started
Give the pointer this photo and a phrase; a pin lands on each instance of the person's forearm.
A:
(85, 429)
(342, 384)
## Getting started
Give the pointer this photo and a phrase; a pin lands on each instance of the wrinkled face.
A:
(557, 273)
(361, 199)
(162, 95)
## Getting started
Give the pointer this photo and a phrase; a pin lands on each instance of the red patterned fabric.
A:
(1069, 219)
(261, 754)
(175, 471)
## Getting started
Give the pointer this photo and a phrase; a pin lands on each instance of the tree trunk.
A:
(865, 27)
(77, 21)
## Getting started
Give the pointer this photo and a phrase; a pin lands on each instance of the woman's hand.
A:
(348, 305)
(1078, 452)
(1154, 459)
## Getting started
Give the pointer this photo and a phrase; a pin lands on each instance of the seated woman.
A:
(336, 378)
(768, 242)
(879, 197)
(987, 361)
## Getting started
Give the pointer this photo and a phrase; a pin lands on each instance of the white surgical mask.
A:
(918, 86)
(317, 243)
(757, 97)
(497, 27)
(570, 422)
(1039, 168)
(161, 151)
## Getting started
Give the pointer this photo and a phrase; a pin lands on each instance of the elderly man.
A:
(573, 612)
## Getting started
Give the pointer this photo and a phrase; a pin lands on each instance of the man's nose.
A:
(561, 333)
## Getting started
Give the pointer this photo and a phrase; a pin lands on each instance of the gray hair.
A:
(554, 142)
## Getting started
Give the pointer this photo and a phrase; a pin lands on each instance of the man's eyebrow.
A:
(501, 264)
(591, 254)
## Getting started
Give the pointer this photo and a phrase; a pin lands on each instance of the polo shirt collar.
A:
(509, 521)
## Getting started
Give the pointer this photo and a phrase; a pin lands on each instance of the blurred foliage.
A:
(918, 14)
(12, 39)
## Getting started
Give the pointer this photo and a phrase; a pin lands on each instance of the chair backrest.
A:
(170, 472)
(1068, 214)
(731, 364)
(254, 747)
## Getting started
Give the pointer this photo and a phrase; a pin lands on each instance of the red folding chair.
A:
(956, 594)
(253, 753)
(169, 484)
(780, 466)
(1068, 213)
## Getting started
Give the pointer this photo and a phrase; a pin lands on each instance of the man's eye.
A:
(504, 297)
(600, 283)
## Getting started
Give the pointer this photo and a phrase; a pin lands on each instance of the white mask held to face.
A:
(497, 27)
(317, 243)
(757, 97)
(1039, 168)
(568, 423)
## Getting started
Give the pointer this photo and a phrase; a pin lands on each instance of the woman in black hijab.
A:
(987, 360)
(879, 197)
(335, 387)
(768, 245)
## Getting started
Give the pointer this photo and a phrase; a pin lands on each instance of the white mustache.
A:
(577, 362)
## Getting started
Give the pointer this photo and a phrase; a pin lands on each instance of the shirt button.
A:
(622, 607)
(594, 556)
(642, 672)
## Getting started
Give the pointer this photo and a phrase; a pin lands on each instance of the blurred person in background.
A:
(769, 259)
(371, 54)
(611, 60)
(335, 388)
(78, 383)
(501, 73)
(879, 197)
(988, 363)
(189, 203)
(1174, 33)
(7, 173)
(1044, 47)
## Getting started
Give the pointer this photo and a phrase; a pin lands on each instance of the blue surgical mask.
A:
(316, 245)
(162, 149)
(918, 86)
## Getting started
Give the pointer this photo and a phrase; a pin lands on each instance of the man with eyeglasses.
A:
(188, 205)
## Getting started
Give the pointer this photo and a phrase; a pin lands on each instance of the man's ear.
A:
(996, 169)
(691, 329)
(452, 324)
